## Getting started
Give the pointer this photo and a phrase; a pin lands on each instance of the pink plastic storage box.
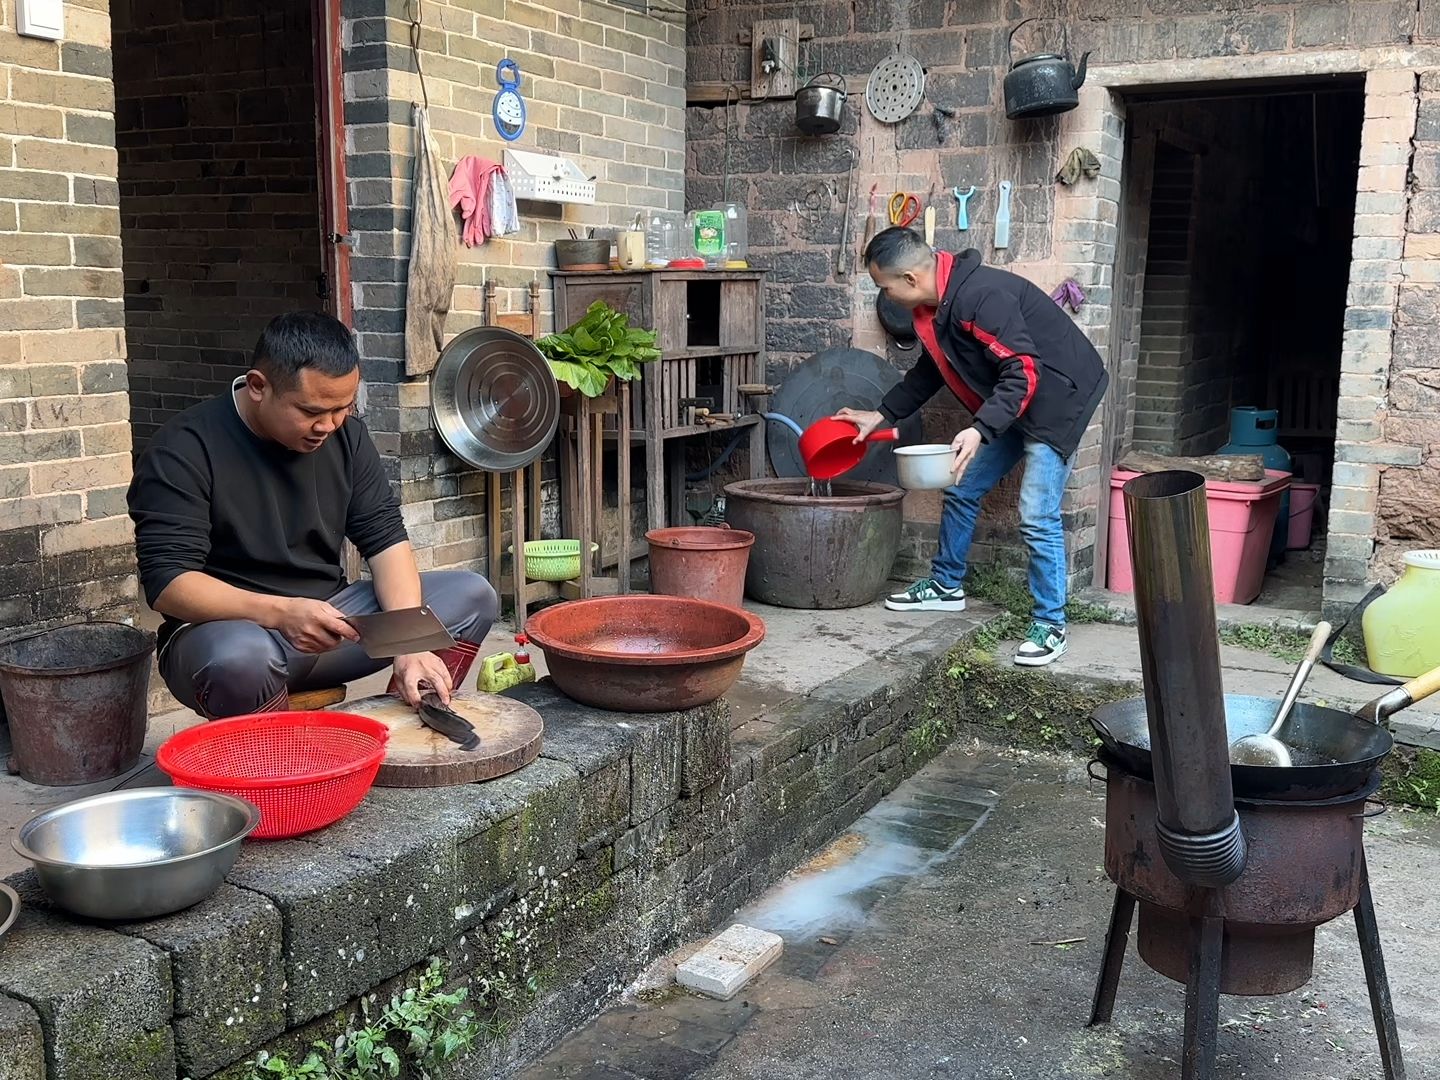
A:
(1302, 514)
(1242, 521)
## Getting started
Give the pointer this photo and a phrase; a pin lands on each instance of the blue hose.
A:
(779, 419)
(709, 470)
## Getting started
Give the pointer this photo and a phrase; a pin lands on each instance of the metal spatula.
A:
(1269, 748)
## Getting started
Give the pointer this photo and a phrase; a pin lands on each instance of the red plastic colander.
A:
(304, 770)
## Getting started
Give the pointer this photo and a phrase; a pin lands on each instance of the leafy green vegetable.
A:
(599, 346)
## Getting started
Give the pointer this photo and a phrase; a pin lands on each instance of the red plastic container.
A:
(828, 446)
(1242, 521)
(1303, 498)
(700, 562)
(304, 770)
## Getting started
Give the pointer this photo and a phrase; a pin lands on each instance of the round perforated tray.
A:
(896, 88)
(494, 399)
(821, 386)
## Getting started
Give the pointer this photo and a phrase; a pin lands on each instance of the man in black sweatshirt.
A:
(1031, 380)
(240, 506)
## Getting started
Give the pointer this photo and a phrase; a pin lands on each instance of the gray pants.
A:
(236, 667)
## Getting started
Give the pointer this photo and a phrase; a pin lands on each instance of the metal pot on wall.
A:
(819, 107)
(1044, 83)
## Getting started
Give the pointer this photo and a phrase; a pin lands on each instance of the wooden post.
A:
(622, 437)
(584, 511)
(494, 530)
(517, 484)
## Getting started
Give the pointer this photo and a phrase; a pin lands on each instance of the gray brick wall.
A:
(1055, 232)
(603, 86)
(218, 192)
(65, 544)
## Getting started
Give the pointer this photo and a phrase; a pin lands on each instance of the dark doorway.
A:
(221, 224)
(1251, 222)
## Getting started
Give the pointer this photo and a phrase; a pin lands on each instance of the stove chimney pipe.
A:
(1199, 830)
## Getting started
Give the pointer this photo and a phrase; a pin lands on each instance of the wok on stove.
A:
(1333, 752)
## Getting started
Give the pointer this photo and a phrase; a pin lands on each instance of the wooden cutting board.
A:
(418, 756)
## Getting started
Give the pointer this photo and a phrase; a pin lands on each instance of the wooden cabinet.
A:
(710, 328)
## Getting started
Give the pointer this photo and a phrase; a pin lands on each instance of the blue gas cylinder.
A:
(1257, 431)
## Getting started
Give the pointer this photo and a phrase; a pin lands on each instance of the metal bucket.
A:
(817, 552)
(700, 562)
(820, 108)
(76, 699)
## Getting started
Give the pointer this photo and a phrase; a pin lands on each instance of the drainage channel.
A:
(816, 909)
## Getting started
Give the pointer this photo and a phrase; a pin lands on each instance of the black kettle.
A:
(1042, 84)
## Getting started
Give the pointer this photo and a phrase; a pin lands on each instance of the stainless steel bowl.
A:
(9, 908)
(925, 467)
(136, 854)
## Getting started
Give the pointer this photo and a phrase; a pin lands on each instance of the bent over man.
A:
(1031, 380)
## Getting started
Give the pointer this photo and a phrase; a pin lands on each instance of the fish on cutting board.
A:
(447, 722)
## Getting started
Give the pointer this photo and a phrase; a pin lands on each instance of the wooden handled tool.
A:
(872, 223)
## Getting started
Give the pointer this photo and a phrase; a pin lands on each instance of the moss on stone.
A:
(1023, 706)
(1412, 778)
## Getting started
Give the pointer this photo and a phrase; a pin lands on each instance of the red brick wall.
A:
(215, 122)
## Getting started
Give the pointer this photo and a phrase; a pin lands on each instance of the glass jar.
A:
(663, 232)
(707, 237)
(737, 235)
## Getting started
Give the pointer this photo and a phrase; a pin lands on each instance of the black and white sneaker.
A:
(927, 595)
(1044, 644)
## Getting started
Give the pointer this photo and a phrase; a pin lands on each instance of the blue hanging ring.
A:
(510, 81)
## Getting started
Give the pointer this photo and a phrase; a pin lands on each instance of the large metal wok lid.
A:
(494, 399)
(821, 386)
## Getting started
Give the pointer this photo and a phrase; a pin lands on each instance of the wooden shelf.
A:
(713, 305)
(711, 352)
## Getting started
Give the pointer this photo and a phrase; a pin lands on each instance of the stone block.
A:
(412, 888)
(548, 823)
(728, 962)
(331, 937)
(227, 965)
(22, 1042)
(103, 998)
(705, 757)
(655, 764)
(1377, 453)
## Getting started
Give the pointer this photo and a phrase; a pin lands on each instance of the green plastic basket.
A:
(553, 560)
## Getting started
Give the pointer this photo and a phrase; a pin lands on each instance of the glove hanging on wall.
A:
(1081, 162)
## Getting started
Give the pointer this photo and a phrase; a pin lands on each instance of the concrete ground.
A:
(956, 932)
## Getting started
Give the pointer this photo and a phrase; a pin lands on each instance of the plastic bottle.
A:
(504, 670)
(707, 237)
(737, 235)
(1402, 628)
(663, 229)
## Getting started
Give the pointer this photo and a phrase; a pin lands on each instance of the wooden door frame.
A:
(330, 154)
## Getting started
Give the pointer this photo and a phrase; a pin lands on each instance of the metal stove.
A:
(1230, 889)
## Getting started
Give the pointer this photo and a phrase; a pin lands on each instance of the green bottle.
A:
(707, 229)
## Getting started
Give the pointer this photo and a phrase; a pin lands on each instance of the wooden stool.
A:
(313, 700)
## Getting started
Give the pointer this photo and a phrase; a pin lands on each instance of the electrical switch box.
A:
(40, 18)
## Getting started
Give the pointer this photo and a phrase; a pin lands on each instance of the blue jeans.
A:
(1040, 493)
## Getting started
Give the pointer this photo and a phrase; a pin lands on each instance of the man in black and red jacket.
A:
(1032, 381)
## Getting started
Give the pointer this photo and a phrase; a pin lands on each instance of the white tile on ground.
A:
(730, 961)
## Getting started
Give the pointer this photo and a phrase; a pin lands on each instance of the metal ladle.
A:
(1269, 748)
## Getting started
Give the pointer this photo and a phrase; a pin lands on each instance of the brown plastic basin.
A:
(644, 653)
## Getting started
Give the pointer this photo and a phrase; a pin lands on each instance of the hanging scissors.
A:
(904, 208)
